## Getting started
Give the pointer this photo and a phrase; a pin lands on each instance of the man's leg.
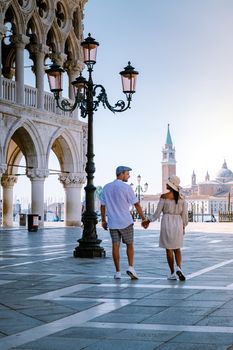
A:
(130, 253)
(116, 255)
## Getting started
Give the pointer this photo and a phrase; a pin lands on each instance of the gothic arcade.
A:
(30, 124)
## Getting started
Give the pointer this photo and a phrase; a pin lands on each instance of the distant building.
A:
(211, 196)
(207, 197)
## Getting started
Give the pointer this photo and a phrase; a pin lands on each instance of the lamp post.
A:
(88, 97)
(139, 188)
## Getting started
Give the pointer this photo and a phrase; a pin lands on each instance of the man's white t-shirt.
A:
(118, 196)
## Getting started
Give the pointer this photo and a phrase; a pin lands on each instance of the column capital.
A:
(8, 180)
(72, 179)
(20, 40)
(58, 57)
(39, 49)
(37, 174)
(74, 67)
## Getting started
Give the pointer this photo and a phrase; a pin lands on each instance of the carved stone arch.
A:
(21, 144)
(26, 137)
(35, 31)
(54, 40)
(63, 145)
(36, 34)
(15, 16)
(41, 29)
(14, 156)
(8, 49)
(8, 60)
(72, 49)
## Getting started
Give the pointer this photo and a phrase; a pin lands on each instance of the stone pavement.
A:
(50, 300)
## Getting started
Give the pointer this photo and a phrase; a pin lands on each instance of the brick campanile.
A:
(169, 160)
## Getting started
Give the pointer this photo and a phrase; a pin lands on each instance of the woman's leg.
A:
(178, 257)
(170, 259)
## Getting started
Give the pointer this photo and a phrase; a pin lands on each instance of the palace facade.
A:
(40, 32)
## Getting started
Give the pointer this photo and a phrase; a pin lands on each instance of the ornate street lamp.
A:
(88, 97)
(139, 188)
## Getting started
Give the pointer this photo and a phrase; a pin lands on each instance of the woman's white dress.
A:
(174, 220)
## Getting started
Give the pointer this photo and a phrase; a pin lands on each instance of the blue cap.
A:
(120, 169)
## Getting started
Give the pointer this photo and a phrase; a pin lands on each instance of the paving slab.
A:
(51, 300)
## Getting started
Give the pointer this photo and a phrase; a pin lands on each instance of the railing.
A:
(202, 217)
(50, 105)
(30, 97)
(9, 90)
(226, 216)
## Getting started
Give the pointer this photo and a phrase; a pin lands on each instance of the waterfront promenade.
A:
(50, 300)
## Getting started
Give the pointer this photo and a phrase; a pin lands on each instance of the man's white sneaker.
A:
(172, 276)
(132, 273)
(117, 275)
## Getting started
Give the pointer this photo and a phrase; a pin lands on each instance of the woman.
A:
(174, 221)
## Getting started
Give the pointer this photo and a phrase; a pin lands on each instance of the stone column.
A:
(8, 182)
(20, 42)
(37, 177)
(72, 184)
(72, 76)
(73, 71)
(40, 51)
(3, 168)
(2, 32)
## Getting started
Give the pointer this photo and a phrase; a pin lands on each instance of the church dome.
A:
(224, 174)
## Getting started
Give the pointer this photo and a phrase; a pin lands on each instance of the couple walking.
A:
(118, 196)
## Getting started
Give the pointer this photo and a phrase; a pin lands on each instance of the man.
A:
(117, 197)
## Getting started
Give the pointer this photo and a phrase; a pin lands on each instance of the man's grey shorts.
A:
(126, 234)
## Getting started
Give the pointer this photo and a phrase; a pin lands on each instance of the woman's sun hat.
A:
(174, 182)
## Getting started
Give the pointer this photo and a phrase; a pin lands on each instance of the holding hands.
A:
(145, 223)
(104, 225)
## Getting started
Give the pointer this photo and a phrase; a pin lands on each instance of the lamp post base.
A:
(89, 249)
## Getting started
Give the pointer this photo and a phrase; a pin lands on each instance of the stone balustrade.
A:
(30, 97)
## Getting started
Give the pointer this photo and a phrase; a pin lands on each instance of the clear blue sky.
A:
(183, 51)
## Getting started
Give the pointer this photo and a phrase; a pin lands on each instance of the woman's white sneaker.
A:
(180, 275)
(117, 275)
(172, 276)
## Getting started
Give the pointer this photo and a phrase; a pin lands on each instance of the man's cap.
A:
(120, 169)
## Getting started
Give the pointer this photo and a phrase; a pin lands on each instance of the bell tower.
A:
(194, 179)
(169, 160)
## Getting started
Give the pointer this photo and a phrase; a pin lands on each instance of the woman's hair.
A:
(176, 194)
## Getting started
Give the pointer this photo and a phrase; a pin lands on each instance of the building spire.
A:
(168, 139)
(224, 164)
(194, 179)
(168, 160)
(207, 177)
